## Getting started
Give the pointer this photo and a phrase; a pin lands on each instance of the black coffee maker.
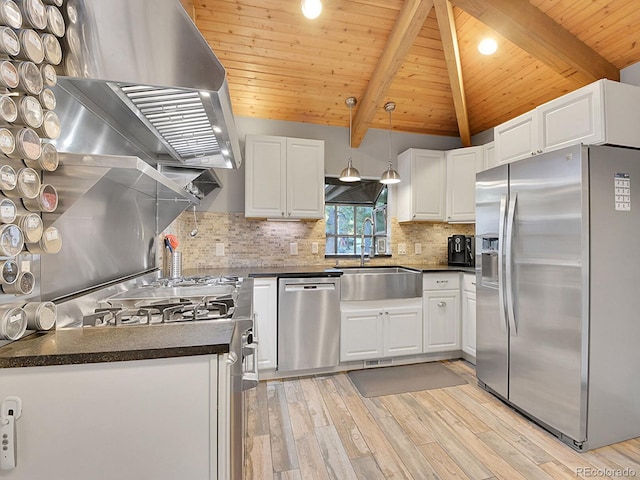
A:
(461, 251)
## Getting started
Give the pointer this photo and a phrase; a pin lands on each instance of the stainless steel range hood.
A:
(139, 79)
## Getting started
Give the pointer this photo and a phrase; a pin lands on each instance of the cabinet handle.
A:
(442, 304)
(442, 281)
(282, 214)
(473, 283)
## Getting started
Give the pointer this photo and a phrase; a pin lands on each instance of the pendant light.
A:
(351, 173)
(390, 176)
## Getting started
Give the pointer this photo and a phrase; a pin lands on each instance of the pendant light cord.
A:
(350, 174)
(350, 123)
(390, 110)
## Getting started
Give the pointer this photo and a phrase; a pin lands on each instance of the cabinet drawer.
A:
(441, 281)
(469, 282)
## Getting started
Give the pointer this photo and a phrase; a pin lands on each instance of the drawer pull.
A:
(442, 281)
(442, 304)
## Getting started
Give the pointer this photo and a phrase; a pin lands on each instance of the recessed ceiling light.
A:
(311, 8)
(487, 46)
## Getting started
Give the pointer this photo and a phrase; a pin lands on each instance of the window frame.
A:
(374, 233)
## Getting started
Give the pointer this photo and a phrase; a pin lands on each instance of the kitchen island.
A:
(128, 401)
(157, 418)
(120, 402)
(138, 392)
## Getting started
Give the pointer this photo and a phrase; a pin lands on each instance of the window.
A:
(347, 206)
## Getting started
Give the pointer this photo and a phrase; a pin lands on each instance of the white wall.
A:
(631, 74)
(370, 159)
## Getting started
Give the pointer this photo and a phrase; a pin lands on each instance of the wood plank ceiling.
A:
(421, 54)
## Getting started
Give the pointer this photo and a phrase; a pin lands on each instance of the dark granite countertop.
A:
(114, 344)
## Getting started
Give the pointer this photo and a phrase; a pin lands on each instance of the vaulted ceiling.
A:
(420, 54)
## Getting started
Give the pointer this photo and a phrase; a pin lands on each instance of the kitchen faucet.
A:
(364, 224)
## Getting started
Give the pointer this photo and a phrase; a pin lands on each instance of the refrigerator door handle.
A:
(501, 285)
(508, 263)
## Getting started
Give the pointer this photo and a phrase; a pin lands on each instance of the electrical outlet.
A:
(219, 249)
(417, 248)
(402, 249)
(293, 248)
(314, 248)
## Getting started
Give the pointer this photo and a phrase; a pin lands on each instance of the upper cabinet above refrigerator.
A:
(603, 112)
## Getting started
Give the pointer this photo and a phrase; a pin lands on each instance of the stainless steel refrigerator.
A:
(558, 291)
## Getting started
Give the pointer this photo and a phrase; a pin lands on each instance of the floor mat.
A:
(376, 382)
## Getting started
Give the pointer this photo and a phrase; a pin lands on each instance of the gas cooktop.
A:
(167, 301)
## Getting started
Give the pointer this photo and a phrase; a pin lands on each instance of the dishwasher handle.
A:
(306, 287)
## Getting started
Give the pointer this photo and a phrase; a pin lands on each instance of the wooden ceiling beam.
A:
(541, 37)
(410, 20)
(446, 23)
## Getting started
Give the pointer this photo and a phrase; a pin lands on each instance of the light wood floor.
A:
(320, 428)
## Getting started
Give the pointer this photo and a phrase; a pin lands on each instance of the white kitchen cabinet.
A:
(402, 331)
(603, 112)
(360, 333)
(422, 192)
(265, 309)
(380, 329)
(462, 166)
(516, 139)
(489, 154)
(441, 310)
(573, 118)
(137, 419)
(469, 316)
(442, 321)
(284, 178)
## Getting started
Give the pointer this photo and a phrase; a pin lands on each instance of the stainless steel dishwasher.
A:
(308, 323)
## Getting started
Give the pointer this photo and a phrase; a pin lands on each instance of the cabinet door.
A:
(469, 322)
(441, 321)
(462, 166)
(265, 308)
(305, 178)
(360, 334)
(402, 331)
(265, 176)
(421, 194)
(572, 119)
(489, 150)
(517, 138)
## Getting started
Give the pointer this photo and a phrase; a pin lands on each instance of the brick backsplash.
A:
(263, 243)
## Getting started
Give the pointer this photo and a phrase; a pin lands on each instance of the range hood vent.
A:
(178, 118)
(144, 83)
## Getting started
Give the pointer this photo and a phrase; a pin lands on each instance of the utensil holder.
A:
(176, 264)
